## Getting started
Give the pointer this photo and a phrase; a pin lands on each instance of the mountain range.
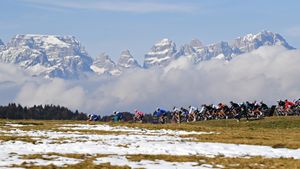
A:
(52, 56)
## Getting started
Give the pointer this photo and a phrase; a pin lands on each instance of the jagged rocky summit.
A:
(103, 64)
(48, 56)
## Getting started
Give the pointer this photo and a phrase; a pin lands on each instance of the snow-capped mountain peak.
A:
(163, 42)
(161, 54)
(104, 65)
(251, 42)
(48, 55)
(127, 61)
(40, 41)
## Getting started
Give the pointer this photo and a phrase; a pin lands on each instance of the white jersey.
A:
(202, 109)
(192, 109)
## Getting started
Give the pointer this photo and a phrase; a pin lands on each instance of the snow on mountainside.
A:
(251, 42)
(104, 65)
(161, 54)
(212, 51)
(126, 61)
(190, 49)
(48, 56)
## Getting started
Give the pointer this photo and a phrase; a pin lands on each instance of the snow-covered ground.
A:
(135, 130)
(157, 164)
(128, 141)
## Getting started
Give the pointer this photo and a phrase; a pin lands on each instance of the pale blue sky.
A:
(114, 25)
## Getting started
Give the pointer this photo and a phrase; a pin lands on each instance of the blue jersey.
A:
(160, 112)
(94, 117)
(119, 115)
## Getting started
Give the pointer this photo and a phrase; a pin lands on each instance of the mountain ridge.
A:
(52, 56)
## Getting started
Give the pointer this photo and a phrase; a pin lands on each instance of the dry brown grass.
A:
(27, 139)
(280, 138)
(48, 156)
(275, 131)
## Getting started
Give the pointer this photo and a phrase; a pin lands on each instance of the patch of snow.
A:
(157, 60)
(55, 160)
(220, 56)
(115, 72)
(147, 164)
(163, 52)
(38, 68)
(131, 130)
(53, 40)
(99, 70)
(16, 125)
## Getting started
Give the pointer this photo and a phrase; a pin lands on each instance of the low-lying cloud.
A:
(269, 74)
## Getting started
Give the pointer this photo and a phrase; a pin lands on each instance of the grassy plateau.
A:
(277, 132)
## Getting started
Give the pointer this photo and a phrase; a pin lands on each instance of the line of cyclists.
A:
(248, 110)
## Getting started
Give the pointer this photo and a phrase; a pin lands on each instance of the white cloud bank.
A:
(268, 74)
